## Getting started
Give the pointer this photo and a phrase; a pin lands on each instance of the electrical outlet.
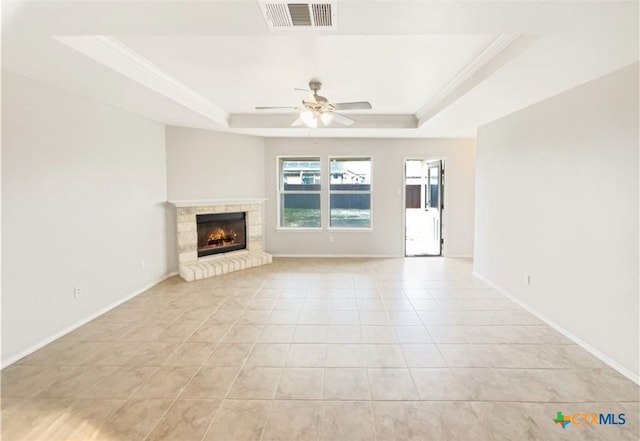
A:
(331, 239)
(76, 292)
(142, 264)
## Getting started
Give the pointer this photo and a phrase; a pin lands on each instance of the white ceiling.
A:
(398, 73)
(429, 68)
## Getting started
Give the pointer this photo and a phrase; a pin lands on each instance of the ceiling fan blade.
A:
(356, 105)
(272, 107)
(342, 119)
(298, 122)
(302, 90)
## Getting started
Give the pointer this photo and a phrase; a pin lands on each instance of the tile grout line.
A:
(275, 393)
(366, 370)
(133, 391)
(184, 387)
(206, 432)
(404, 357)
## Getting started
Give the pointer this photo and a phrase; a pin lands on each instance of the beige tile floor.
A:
(316, 349)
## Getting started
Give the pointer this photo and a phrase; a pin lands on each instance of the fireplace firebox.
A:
(220, 233)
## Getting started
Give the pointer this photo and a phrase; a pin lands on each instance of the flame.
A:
(217, 234)
(220, 236)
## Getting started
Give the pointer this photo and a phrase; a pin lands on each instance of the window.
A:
(299, 188)
(350, 192)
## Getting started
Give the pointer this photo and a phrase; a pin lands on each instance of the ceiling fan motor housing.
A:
(315, 84)
(319, 105)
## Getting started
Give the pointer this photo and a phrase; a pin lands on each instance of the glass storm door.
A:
(423, 207)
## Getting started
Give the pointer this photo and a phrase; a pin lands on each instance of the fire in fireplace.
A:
(220, 233)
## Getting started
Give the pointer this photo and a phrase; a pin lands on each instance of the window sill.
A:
(349, 230)
(306, 230)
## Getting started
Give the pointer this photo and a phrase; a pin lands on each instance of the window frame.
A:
(280, 191)
(330, 192)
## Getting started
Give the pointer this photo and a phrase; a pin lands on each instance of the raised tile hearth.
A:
(192, 267)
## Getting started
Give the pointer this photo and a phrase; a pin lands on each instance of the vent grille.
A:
(299, 14)
(322, 14)
(278, 14)
(295, 15)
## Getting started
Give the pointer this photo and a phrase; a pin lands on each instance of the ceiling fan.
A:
(317, 109)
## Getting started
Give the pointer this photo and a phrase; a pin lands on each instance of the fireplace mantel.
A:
(193, 267)
(216, 202)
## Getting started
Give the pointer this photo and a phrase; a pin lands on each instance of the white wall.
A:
(204, 164)
(83, 191)
(557, 198)
(388, 155)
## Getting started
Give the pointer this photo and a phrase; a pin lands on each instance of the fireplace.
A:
(220, 233)
(196, 238)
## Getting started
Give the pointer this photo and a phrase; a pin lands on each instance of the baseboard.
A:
(368, 256)
(82, 321)
(332, 256)
(577, 340)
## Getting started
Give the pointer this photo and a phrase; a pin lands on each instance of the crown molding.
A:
(116, 55)
(284, 120)
(500, 51)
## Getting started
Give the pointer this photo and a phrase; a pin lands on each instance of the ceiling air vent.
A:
(297, 15)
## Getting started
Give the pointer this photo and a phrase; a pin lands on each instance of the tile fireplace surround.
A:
(191, 267)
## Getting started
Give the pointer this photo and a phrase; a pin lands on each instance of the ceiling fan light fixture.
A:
(326, 117)
(309, 119)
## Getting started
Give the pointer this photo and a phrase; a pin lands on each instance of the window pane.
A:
(300, 175)
(413, 169)
(350, 174)
(300, 210)
(433, 187)
(349, 192)
(351, 210)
